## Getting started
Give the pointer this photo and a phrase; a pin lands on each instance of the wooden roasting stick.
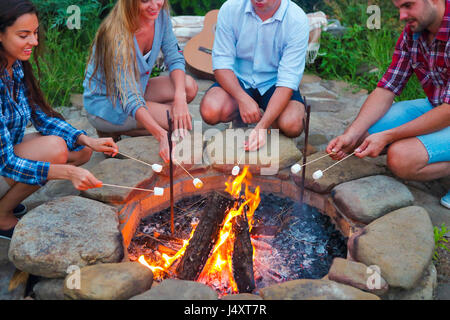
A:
(169, 135)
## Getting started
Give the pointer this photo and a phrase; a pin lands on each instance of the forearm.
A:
(144, 117)
(230, 83)
(376, 105)
(60, 172)
(436, 119)
(177, 77)
(276, 106)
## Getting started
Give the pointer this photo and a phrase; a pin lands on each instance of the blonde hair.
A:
(115, 54)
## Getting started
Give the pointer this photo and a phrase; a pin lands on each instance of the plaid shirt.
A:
(14, 117)
(431, 63)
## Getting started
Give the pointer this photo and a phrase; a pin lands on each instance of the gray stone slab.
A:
(369, 198)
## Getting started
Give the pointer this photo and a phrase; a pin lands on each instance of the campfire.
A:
(219, 250)
(238, 240)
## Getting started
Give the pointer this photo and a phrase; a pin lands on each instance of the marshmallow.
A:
(198, 183)
(158, 191)
(235, 170)
(318, 174)
(296, 168)
(157, 167)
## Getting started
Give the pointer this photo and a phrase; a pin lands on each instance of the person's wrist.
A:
(162, 134)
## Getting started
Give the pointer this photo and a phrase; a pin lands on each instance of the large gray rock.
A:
(350, 169)
(111, 281)
(306, 289)
(65, 232)
(369, 198)
(49, 289)
(4, 248)
(7, 272)
(400, 243)
(127, 173)
(424, 290)
(172, 289)
(225, 150)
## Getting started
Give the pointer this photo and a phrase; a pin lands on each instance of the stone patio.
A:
(388, 222)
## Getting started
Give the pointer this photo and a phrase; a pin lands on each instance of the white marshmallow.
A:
(197, 183)
(157, 167)
(235, 170)
(158, 191)
(318, 174)
(296, 168)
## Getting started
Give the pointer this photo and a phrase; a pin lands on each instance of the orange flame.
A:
(219, 264)
(218, 267)
(157, 270)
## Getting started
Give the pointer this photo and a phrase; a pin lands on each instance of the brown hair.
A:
(10, 11)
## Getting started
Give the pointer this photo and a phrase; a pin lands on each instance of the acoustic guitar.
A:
(198, 50)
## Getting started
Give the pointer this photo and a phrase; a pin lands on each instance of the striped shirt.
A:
(430, 62)
(15, 113)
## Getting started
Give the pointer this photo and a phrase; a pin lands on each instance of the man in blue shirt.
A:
(258, 61)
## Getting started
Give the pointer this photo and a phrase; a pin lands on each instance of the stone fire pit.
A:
(70, 234)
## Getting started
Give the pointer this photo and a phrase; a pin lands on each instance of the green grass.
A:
(67, 51)
(341, 58)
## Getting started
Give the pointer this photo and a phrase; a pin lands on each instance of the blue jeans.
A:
(437, 143)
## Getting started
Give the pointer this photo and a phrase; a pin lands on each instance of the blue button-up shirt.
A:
(15, 113)
(98, 103)
(262, 54)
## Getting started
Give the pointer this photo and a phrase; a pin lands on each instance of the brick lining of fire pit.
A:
(138, 209)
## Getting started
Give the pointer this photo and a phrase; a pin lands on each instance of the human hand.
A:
(249, 110)
(105, 145)
(164, 150)
(342, 145)
(182, 119)
(82, 179)
(256, 140)
(373, 145)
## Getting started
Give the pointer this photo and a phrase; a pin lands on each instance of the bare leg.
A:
(218, 106)
(290, 121)
(408, 159)
(161, 90)
(39, 148)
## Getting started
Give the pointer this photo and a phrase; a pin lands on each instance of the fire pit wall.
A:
(133, 212)
(396, 233)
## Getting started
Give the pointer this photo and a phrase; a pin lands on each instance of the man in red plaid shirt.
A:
(416, 133)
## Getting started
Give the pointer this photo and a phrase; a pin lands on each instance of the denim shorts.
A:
(106, 126)
(263, 100)
(437, 143)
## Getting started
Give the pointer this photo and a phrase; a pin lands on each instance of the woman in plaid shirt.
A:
(416, 133)
(56, 151)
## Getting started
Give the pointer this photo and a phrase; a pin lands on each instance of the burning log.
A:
(205, 236)
(243, 256)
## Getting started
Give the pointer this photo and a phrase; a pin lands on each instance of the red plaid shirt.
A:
(431, 63)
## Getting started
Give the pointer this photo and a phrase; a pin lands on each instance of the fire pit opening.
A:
(238, 244)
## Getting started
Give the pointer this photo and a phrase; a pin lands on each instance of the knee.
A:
(291, 127)
(59, 153)
(191, 89)
(209, 110)
(399, 161)
(84, 155)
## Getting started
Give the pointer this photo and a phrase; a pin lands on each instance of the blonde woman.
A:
(119, 95)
